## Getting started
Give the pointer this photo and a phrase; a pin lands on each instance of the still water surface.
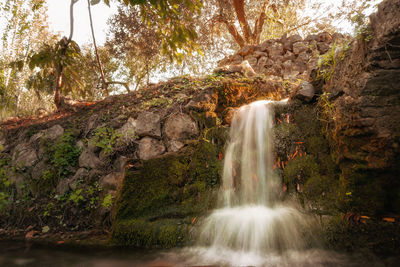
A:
(22, 254)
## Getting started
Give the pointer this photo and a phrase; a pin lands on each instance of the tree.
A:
(172, 19)
(56, 66)
(24, 28)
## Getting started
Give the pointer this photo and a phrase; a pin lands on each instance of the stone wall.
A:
(146, 160)
(288, 57)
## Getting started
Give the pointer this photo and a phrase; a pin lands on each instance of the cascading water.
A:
(252, 226)
(251, 220)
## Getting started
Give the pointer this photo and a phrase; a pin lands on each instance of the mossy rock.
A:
(372, 236)
(165, 233)
(166, 192)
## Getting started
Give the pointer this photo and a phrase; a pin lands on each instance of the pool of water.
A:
(25, 254)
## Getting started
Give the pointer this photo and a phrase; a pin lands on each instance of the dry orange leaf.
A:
(389, 219)
(30, 234)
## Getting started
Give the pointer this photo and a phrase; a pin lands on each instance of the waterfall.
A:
(250, 217)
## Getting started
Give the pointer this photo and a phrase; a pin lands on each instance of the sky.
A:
(58, 12)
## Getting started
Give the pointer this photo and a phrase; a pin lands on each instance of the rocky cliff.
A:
(361, 101)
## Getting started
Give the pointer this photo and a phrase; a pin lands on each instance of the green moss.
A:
(306, 119)
(166, 190)
(372, 236)
(317, 145)
(300, 169)
(285, 137)
(165, 233)
(206, 119)
(365, 192)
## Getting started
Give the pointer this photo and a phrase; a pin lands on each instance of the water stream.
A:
(251, 218)
(251, 221)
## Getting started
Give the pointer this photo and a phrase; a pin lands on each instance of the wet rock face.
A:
(365, 96)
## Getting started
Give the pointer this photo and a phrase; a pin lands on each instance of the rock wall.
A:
(288, 57)
(362, 104)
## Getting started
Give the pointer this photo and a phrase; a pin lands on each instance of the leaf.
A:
(45, 229)
(94, 2)
(30, 234)
(389, 219)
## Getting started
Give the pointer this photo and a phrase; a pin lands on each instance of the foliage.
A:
(46, 61)
(107, 201)
(5, 184)
(106, 138)
(24, 27)
(64, 154)
(176, 38)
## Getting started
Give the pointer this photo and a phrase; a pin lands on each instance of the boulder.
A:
(252, 61)
(365, 132)
(89, 159)
(246, 50)
(304, 56)
(148, 124)
(150, 148)
(289, 56)
(120, 163)
(323, 47)
(54, 132)
(299, 47)
(258, 54)
(295, 38)
(180, 127)
(111, 181)
(244, 68)
(205, 101)
(80, 174)
(128, 131)
(262, 61)
(174, 145)
(91, 124)
(24, 155)
(51, 134)
(39, 169)
(324, 37)
(306, 92)
(275, 50)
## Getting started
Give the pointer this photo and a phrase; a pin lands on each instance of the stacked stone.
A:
(288, 57)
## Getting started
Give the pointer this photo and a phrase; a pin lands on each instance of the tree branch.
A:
(121, 83)
(259, 24)
(105, 85)
(241, 15)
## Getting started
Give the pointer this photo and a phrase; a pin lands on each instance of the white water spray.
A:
(250, 218)
(252, 226)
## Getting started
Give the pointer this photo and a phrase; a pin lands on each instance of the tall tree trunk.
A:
(258, 26)
(64, 43)
(105, 84)
(241, 15)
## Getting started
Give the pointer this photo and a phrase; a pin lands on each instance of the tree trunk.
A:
(105, 84)
(64, 43)
(241, 15)
(258, 26)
